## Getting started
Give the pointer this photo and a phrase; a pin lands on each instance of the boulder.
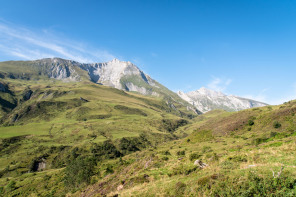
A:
(200, 164)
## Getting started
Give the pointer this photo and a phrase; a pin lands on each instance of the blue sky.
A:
(245, 48)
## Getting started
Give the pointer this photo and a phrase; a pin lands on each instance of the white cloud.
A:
(219, 84)
(27, 44)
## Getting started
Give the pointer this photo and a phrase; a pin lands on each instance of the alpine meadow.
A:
(215, 116)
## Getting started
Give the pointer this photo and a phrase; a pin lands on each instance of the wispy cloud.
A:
(20, 42)
(261, 96)
(265, 96)
(219, 84)
(291, 95)
(153, 54)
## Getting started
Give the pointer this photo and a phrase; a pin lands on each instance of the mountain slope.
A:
(245, 153)
(118, 74)
(206, 100)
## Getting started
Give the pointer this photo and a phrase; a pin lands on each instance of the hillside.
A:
(85, 139)
(68, 135)
(246, 153)
(206, 100)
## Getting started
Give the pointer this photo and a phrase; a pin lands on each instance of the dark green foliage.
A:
(258, 141)
(238, 158)
(166, 152)
(109, 170)
(12, 140)
(106, 150)
(129, 110)
(276, 124)
(251, 122)
(273, 134)
(7, 105)
(171, 125)
(11, 186)
(79, 171)
(194, 156)
(181, 152)
(132, 144)
(165, 158)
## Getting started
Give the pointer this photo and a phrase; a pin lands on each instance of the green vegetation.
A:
(69, 139)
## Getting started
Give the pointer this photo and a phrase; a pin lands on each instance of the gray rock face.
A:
(111, 74)
(59, 69)
(118, 74)
(206, 100)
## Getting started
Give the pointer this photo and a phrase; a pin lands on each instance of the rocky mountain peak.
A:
(206, 100)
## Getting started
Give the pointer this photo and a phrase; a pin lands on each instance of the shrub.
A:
(273, 134)
(165, 158)
(276, 124)
(166, 152)
(203, 180)
(181, 152)
(194, 156)
(109, 170)
(79, 171)
(258, 141)
(251, 122)
(106, 150)
(11, 186)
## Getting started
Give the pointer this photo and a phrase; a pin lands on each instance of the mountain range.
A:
(124, 76)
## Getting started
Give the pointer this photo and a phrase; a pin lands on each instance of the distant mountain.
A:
(118, 74)
(206, 100)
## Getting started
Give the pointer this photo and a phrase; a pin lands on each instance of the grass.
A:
(141, 146)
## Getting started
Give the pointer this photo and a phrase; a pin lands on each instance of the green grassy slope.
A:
(52, 121)
(85, 139)
(248, 153)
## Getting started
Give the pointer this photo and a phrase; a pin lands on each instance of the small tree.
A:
(251, 123)
(276, 124)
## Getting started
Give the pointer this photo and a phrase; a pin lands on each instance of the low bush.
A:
(181, 152)
(194, 156)
(276, 124)
(79, 171)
